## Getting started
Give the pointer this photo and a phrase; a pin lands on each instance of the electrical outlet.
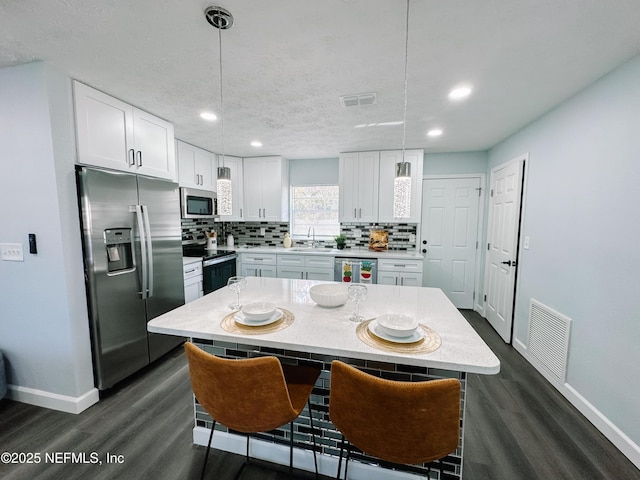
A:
(263, 231)
(412, 237)
(11, 252)
(357, 233)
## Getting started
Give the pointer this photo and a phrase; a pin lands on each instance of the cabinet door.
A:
(104, 127)
(368, 176)
(411, 279)
(272, 193)
(348, 184)
(154, 145)
(206, 167)
(290, 272)
(192, 291)
(387, 278)
(388, 161)
(250, 270)
(253, 183)
(315, 273)
(186, 158)
(268, 271)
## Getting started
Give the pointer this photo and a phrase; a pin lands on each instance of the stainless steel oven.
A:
(217, 270)
(196, 203)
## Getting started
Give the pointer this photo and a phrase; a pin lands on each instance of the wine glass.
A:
(357, 292)
(236, 285)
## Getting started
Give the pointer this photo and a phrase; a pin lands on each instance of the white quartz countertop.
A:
(329, 331)
(333, 252)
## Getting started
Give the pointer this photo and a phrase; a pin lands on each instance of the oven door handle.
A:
(215, 261)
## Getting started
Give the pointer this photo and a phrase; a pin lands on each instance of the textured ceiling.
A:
(286, 62)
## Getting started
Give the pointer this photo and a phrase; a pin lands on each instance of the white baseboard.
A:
(628, 447)
(302, 459)
(54, 401)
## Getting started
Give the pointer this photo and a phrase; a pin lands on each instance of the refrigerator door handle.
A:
(147, 228)
(143, 251)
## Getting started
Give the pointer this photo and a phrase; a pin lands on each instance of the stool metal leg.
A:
(204, 464)
(291, 450)
(313, 437)
(340, 457)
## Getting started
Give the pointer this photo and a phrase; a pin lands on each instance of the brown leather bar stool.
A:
(251, 395)
(399, 422)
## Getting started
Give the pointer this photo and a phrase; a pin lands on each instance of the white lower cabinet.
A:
(406, 273)
(192, 273)
(305, 267)
(258, 265)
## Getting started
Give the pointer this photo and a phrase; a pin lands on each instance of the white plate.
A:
(242, 320)
(374, 328)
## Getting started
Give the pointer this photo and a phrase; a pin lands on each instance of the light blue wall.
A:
(582, 216)
(315, 171)
(44, 330)
(454, 163)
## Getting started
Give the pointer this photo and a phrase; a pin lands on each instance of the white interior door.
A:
(502, 245)
(450, 227)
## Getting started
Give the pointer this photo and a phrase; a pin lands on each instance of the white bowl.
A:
(397, 325)
(329, 294)
(259, 310)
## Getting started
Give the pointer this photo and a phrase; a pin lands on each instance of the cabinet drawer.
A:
(399, 265)
(191, 270)
(319, 261)
(291, 260)
(258, 258)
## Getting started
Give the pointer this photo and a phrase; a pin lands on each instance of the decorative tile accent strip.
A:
(402, 236)
(327, 436)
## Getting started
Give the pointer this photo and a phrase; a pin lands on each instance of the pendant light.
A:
(222, 20)
(402, 181)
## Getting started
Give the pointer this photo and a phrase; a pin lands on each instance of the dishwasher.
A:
(356, 270)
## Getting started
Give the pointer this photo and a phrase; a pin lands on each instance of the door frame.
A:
(524, 157)
(478, 305)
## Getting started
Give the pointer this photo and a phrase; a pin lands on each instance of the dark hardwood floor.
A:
(518, 427)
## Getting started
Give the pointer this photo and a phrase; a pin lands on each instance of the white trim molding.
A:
(54, 401)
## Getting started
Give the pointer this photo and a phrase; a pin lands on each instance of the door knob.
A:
(510, 263)
(424, 242)
(424, 250)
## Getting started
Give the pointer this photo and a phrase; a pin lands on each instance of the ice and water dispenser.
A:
(119, 250)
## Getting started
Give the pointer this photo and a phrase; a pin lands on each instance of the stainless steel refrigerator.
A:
(133, 267)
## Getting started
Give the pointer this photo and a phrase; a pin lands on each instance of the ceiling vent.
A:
(359, 100)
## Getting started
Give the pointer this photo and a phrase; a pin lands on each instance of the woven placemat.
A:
(430, 343)
(230, 325)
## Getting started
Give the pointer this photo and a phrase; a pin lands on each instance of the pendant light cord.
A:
(406, 56)
(221, 97)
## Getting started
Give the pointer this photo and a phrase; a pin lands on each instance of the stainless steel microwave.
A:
(197, 203)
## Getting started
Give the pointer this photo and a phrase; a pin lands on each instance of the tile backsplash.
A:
(402, 236)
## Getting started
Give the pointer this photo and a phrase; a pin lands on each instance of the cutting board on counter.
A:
(378, 240)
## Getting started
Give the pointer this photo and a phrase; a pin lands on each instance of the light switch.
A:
(11, 252)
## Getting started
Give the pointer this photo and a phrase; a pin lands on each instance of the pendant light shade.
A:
(222, 19)
(402, 190)
(223, 188)
(402, 181)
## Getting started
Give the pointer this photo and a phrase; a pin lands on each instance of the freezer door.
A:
(160, 203)
(117, 314)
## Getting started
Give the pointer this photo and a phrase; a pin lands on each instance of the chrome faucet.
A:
(313, 242)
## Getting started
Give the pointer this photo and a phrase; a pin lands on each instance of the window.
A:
(314, 206)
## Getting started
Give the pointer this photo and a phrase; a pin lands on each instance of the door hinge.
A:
(479, 191)
(488, 246)
(485, 298)
(474, 296)
(476, 244)
(492, 192)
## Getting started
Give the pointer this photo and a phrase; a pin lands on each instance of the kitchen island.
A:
(316, 336)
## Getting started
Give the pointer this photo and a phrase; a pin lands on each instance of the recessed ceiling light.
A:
(208, 116)
(256, 143)
(436, 132)
(459, 93)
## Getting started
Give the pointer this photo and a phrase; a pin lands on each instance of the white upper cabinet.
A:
(266, 189)
(116, 135)
(388, 160)
(358, 180)
(197, 168)
(237, 188)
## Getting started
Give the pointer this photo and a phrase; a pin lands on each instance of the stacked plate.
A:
(258, 314)
(395, 327)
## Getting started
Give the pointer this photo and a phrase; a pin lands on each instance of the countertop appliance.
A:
(196, 203)
(133, 267)
(356, 270)
(217, 265)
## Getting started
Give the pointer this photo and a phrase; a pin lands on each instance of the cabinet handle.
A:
(402, 281)
(359, 213)
(400, 266)
(355, 213)
(301, 275)
(189, 271)
(139, 158)
(132, 157)
(240, 213)
(264, 213)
